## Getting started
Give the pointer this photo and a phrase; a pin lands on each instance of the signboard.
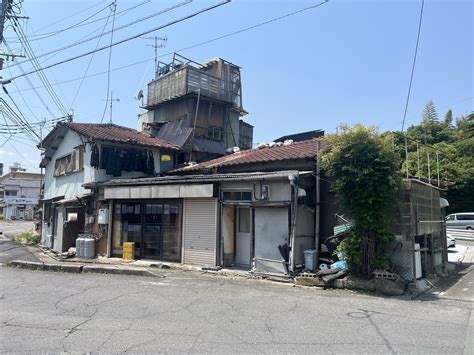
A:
(14, 200)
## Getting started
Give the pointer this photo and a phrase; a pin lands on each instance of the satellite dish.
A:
(140, 95)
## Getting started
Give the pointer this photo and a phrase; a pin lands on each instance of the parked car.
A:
(463, 220)
(450, 241)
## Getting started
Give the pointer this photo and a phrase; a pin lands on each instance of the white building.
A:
(19, 193)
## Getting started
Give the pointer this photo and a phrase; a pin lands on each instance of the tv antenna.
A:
(111, 104)
(163, 41)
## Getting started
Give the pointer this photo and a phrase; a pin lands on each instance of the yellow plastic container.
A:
(128, 251)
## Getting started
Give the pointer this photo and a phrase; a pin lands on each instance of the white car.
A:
(450, 241)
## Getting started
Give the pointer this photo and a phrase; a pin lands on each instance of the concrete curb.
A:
(113, 270)
(78, 268)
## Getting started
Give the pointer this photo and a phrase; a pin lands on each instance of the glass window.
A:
(465, 217)
(237, 196)
(450, 217)
(244, 220)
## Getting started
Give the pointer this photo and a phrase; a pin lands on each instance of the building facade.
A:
(242, 210)
(19, 193)
(198, 107)
(76, 154)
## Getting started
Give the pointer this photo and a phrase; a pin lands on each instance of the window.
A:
(11, 193)
(237, 196)
(450, 217)
(465, 217)
(265, 192)
(214, 133)
(70, 163)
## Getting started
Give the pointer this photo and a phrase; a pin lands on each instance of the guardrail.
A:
(461, 234)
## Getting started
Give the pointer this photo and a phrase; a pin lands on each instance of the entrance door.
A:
(244, 233)
(162, 231)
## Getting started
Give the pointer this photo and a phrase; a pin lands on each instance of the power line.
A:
(413, 65)
(38, 37)
(113, 8)
(117, 29)
(82, 23)
(191, 46)
(27, 78)
(68, 17)
(90, 62)
(38, 70)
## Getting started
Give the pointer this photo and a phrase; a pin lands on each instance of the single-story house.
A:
(256, 209)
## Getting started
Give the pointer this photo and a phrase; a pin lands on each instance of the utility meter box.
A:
(103, 217)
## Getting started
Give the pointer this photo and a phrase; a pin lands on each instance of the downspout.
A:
(294, 212)
(318, 202)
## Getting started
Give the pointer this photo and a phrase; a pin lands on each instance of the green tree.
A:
(365, 168)
(430, 115)
(448, 118)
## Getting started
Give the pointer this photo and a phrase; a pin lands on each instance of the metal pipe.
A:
(418, 156)
(437, 165)
(429, 170)
(194, 126)
(318, 201)
(406, 155)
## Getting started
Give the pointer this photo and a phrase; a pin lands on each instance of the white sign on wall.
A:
(13, 200)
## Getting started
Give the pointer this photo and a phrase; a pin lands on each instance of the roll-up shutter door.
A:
(200, 231)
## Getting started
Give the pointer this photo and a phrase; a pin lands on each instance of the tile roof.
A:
(296, 150)
(115, 133)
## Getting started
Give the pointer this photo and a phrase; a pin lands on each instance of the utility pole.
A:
(5, 10)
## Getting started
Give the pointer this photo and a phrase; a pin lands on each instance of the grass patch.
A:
(30, 237)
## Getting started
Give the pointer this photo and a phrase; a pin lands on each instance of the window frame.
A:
(69, 163)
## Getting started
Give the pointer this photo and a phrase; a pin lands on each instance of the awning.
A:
(72, 199)
(51, 199)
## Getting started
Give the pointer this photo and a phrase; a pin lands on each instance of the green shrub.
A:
(364, 167)
(30, 237)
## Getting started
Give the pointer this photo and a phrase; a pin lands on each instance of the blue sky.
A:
(343, 62)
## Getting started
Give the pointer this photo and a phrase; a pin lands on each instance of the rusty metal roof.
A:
(277, 153)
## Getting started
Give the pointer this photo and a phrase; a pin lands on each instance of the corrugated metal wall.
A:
(200, 231)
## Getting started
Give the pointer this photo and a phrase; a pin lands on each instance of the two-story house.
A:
(78, 153)
(19, 193)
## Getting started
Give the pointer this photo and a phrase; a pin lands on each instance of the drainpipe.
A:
(294, 207)
(318, 202)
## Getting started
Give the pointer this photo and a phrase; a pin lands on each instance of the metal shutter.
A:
(200, 231)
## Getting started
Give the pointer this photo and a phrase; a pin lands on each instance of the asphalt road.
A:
(47, 312)
(10, 250)
(12, 228)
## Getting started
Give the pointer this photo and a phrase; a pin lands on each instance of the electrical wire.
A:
(38, 37)
(186, 2)
(90, 62)
(40, 71)
(113, 9)
(31, 85)
(413, 64)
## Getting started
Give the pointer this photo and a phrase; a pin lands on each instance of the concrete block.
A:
(309, 281)
(390, 287)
